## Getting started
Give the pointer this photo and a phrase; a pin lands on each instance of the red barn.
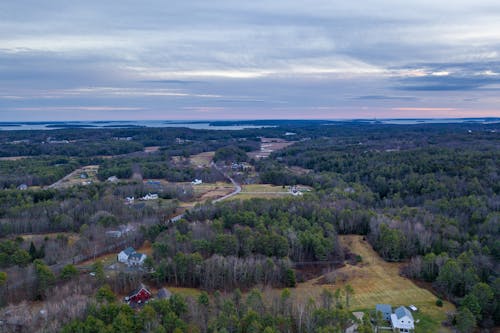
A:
(139, 295)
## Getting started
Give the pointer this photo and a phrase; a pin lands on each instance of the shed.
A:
(164, 293)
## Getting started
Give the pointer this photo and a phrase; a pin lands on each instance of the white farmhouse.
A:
(136, 259)
(123, 255)
(402, 320)
(197, 182)
(150, 196)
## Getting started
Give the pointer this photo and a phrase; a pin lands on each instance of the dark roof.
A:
(138, 290)
(384, 308)
(135, 255)
(129, 250)
(164, 293)
(403, 311)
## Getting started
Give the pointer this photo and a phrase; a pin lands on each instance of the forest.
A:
(425, 195)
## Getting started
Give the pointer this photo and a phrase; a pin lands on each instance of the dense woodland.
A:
(427, 195)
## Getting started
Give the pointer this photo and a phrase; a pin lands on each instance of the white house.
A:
(129, 200)
(295, 191)
(112, 179)
(136, 259)
(22, 187)
(123, 255)
(197, 182)
(402, 320)
(150, 196)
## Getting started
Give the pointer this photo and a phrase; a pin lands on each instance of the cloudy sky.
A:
(94, 59)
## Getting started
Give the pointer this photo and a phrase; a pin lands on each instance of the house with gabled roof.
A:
(139, 295)
(402, 320)
(136, 259)
(124, 254)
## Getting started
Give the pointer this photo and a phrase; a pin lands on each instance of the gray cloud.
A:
(224, 58)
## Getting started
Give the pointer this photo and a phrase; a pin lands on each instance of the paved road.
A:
(237, 189)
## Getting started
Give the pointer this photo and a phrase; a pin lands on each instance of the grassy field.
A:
(72, 237)
(265, 191)
(210, 191)
(106, 259)
(376, 281)
(73, 178)
(263, 188)
(202, 159)
(269, 145)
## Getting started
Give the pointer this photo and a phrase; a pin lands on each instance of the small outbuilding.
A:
(164, 293)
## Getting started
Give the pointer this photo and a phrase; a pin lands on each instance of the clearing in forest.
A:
(267, 191)
(83, 176)
(269, 145)
(377, 281)
(202, 159)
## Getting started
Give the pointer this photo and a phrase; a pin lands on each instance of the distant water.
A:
(206, 125)
(15, 126)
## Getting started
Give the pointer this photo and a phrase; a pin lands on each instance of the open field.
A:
(13, 158)
(268, 145)
(210, 191)
(263, 188)
(72, 237)
(298, 170)
(202, 159)
(151, 149)
(376, 281)
(74, 178)
(266, 191)
(106, 259)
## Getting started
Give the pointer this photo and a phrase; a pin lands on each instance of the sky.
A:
(280, 59)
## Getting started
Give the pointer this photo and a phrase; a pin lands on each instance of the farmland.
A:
(377, 281)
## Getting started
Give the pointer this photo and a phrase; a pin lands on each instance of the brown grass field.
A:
(13, 158)
(151, 149)
(376, 281)
(263, 188)
(72, 237)
(106, 259)
(73, 178)
(266, 191)
(210, 191)
(268, 145)
(202, 159)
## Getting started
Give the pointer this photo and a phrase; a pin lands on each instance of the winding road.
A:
(237, 189)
